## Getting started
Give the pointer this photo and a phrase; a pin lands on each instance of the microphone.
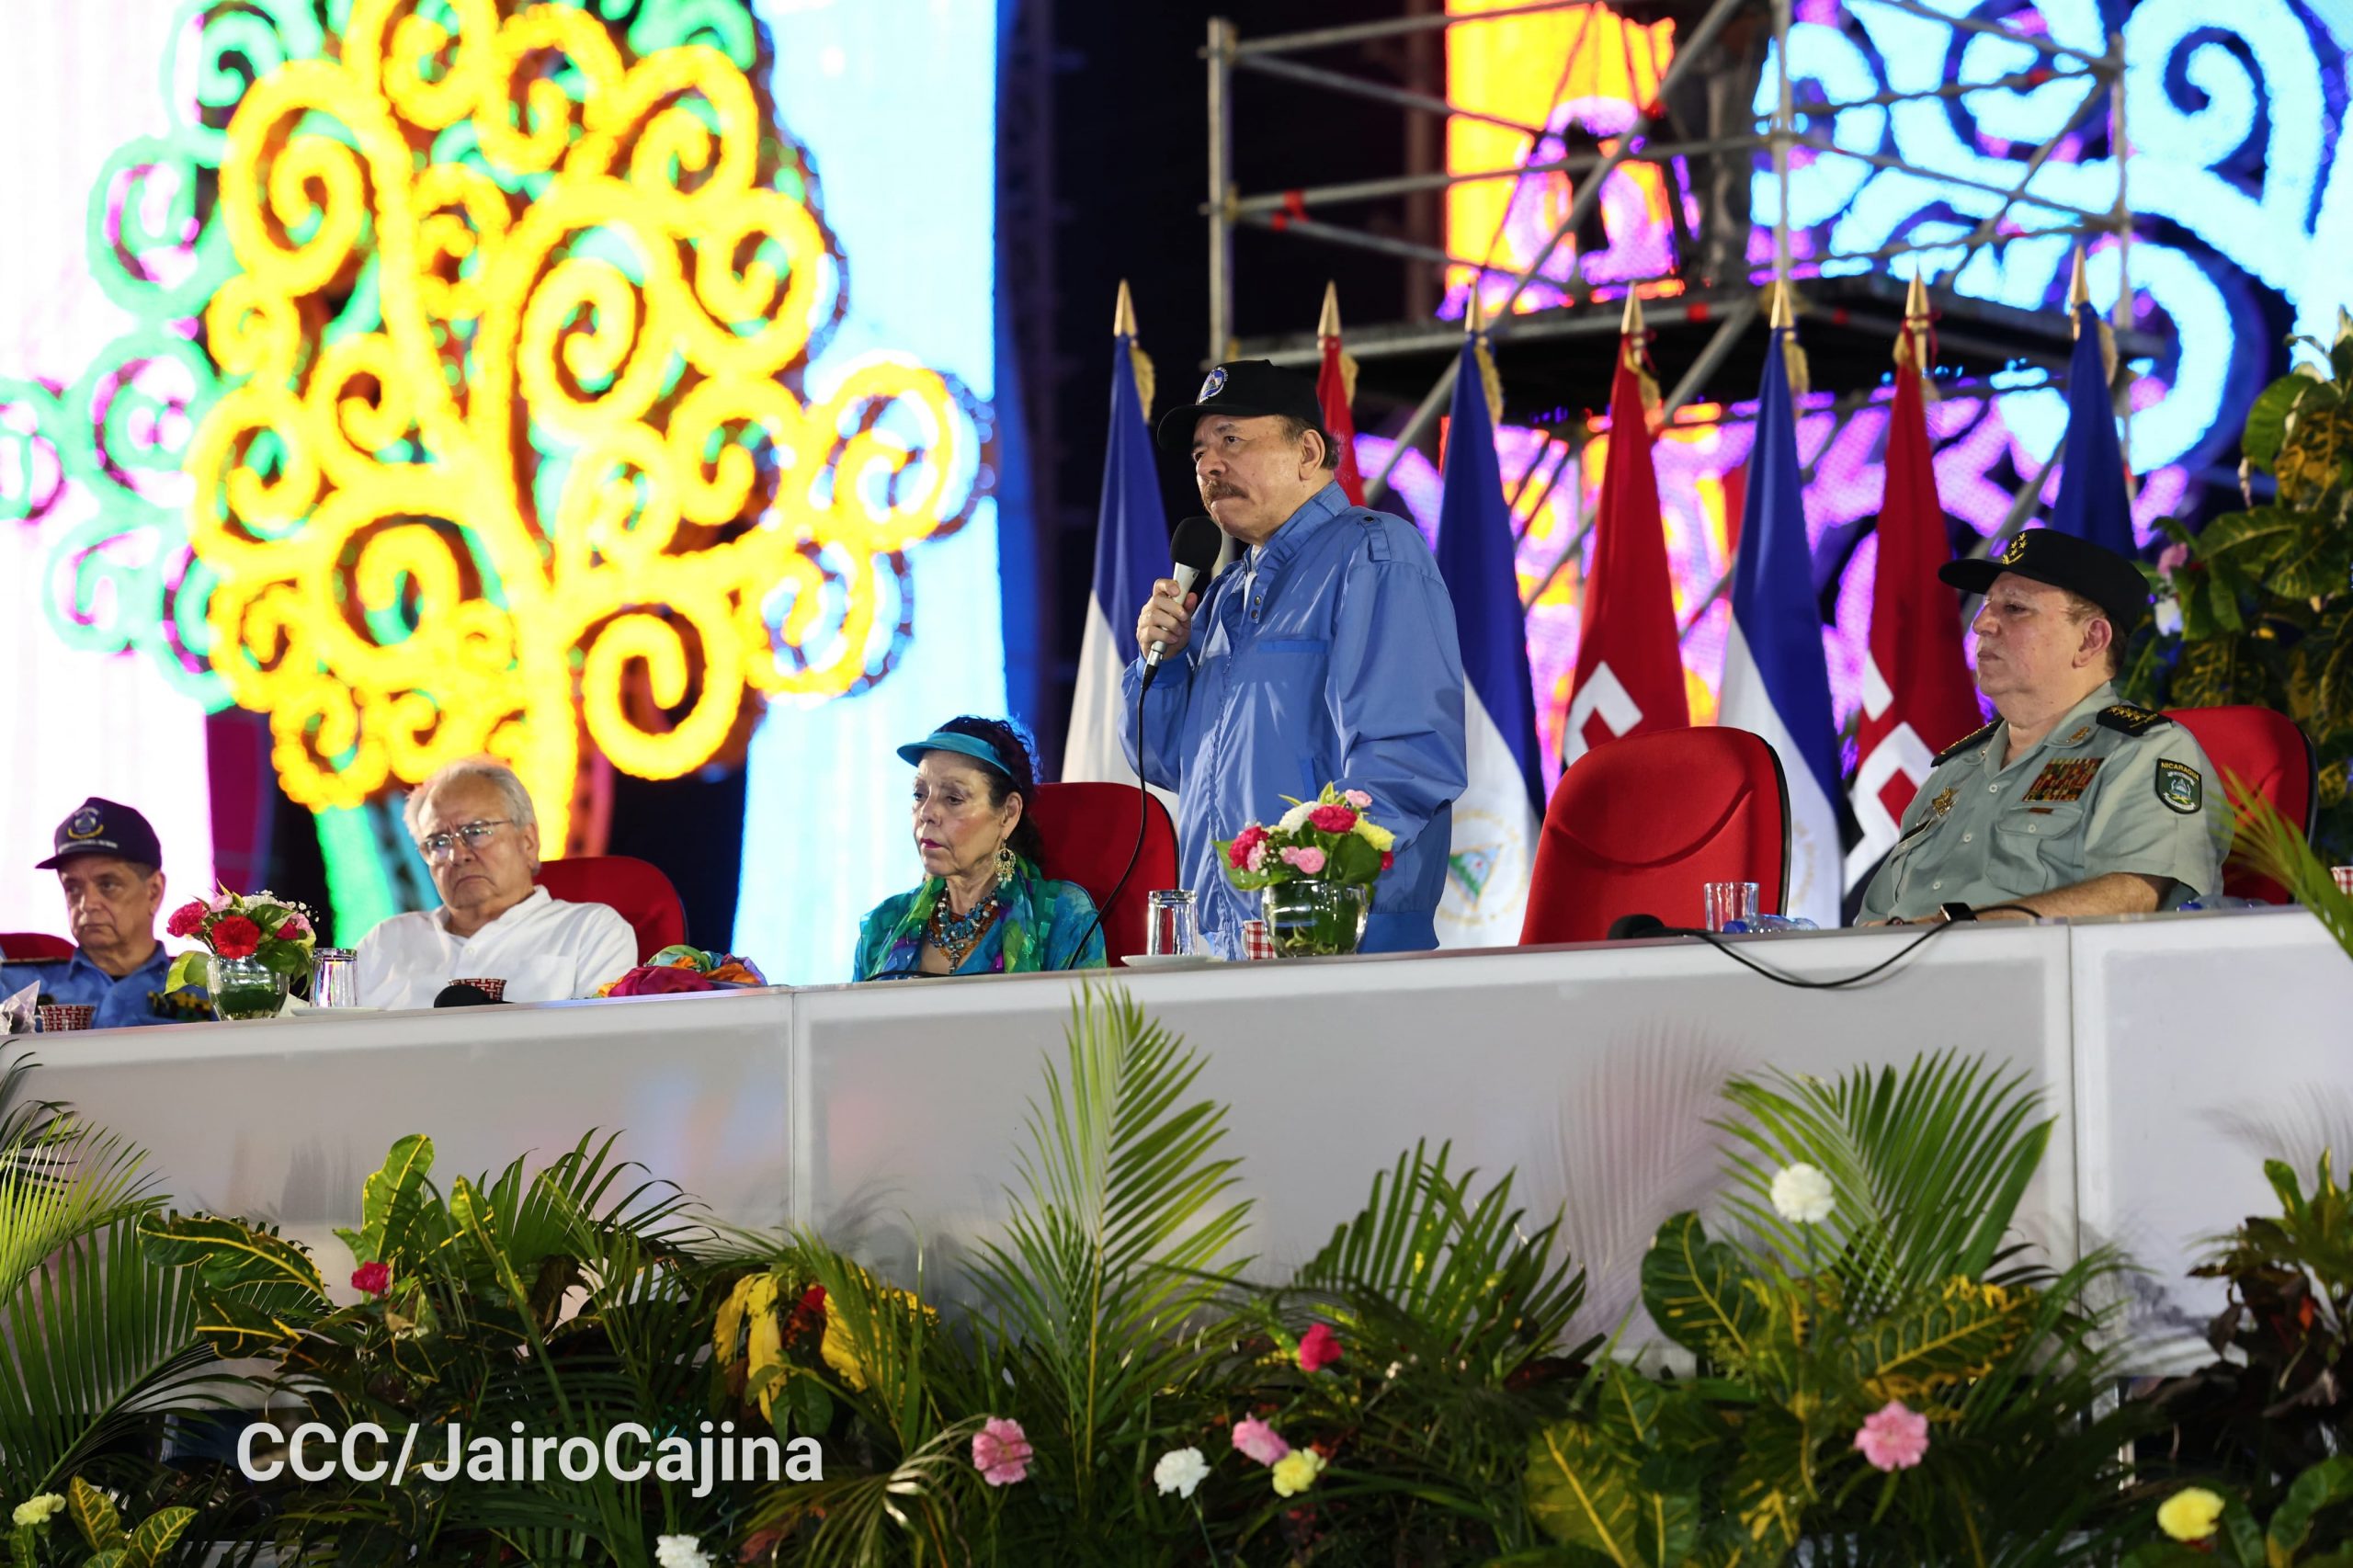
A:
(460, 995)
(1634, 928)
(1194, 549)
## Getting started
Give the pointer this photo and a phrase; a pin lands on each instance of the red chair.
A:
(2262, 751)
(1636, 825)
(1090, 831)
(27, 947)
(635, 888)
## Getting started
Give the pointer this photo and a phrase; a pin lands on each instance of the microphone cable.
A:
(1715, 939)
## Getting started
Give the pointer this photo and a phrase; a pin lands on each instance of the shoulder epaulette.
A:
(33, 964)
(2130, 718)
(1965, 741)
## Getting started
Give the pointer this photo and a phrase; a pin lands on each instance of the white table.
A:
(2173, 1050)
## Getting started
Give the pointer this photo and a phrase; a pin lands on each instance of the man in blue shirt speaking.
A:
(1328, 655)
(110, 866)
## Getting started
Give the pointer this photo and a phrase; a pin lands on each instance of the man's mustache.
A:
(1219, 491)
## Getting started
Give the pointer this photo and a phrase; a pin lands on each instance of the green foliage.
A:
(1810, 1328)
(2266, 614)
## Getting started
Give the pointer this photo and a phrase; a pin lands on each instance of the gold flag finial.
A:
(1474, 320)
(1328, 324)
(1781, 315)
(1632, 323)
(1123, 316)
(1915, 301)
(2079, 292)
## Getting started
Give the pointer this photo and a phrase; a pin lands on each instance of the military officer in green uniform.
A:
(2071, 802)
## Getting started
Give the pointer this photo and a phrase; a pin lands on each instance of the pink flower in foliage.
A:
(1001, 1452)
(1318, 1349)
(188, 917)
(1358, 798)
(1258, 1440)
(1310, 860)
(372, 1278)
(1332, 819)
(1894, 1437)
(1249, 843)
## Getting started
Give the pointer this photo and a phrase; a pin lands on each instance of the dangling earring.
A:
(1005, 865)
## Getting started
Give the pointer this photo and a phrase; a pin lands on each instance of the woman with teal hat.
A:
(983, 906)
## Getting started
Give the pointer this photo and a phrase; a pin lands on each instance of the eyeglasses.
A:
(476, 834)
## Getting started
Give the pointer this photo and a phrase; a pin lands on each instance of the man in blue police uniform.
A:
(1327, 655)
(110, 867)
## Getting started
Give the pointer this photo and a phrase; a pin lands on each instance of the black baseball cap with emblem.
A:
(1245, 389)
(2101, 576)
(105, 827)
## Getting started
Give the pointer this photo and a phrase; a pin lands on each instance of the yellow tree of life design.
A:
(557, 488)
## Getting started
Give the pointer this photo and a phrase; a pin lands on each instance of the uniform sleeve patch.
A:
(2180, 786)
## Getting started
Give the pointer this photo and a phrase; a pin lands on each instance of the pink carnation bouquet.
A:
(1325, 839)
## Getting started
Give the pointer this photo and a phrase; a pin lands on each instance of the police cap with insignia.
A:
(1245, 389)
(105, 827)
(2101, 576)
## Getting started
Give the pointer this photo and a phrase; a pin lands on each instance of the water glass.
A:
(1171, 927)
(334, 978)
(1728, 906)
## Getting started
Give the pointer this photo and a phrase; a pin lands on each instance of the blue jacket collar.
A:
(1312, 513)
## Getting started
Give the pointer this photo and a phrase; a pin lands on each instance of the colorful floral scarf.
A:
(1011, 945)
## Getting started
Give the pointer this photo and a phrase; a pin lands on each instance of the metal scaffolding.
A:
(1317, 214)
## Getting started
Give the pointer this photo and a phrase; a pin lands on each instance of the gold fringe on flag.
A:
(1781, 312)
(2079, 294)
(1329, 327)
(1912, 345)
(1490, 381)
(1123, 324)
(1634, 348)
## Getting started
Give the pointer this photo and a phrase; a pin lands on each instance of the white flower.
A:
(1802, 1193)
(680, 1551)
(1296, 818)
(1180, 1470)
(37, 1510)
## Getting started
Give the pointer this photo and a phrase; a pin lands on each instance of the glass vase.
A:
(243, 988)
(1307, 918)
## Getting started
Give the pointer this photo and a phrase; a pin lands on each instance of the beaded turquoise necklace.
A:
(955, 935)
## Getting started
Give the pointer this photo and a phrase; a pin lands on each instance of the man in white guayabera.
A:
(474, 824)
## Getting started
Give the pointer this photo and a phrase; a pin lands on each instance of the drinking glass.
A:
(1171, 929)
(1729, 907)
(334, 978)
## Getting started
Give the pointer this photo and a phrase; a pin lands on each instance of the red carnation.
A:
(236, 937)
(1237, 854)
(1334, 818)
(188, 917)
(372, 1278)
(808, 1317)
(1318, 1347)
(1388, 859)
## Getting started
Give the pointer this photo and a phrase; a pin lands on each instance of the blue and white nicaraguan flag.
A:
(1131, 553)
(1496, 820)
(1776, 682)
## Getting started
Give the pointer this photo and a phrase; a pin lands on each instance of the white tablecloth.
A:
(2176, 1052)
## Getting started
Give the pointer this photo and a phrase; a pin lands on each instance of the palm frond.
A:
(92, 1345)
(1929, 1165)
(2278, 848)
(1121, 1233)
